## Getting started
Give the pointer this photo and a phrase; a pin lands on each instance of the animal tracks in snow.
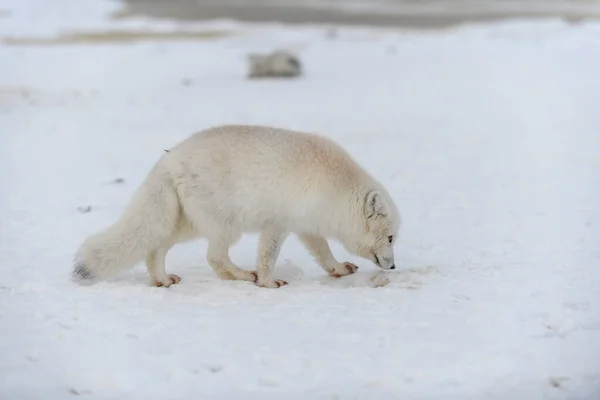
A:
(410, 278)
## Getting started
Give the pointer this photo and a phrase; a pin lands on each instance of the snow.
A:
(486, 136)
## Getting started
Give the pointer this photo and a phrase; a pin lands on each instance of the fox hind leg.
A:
(155, 263)
(220, 238)
(218, 258)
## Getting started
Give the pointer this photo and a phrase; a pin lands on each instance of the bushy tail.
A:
(150, 218)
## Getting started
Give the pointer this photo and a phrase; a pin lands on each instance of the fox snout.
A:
(384, 263)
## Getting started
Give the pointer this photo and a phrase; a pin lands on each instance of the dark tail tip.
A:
(81, 272)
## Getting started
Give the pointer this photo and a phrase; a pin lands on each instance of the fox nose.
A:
(393, 266)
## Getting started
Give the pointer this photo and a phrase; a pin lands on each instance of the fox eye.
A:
(390, 239)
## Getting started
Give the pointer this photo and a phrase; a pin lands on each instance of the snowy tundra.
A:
(486, 136)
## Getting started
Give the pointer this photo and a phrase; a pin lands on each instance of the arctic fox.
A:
(229, 180)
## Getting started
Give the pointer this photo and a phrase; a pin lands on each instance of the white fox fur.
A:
(226, 181)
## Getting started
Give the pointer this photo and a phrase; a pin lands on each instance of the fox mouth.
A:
(377, 261)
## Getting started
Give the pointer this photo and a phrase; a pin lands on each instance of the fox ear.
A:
(375, 204)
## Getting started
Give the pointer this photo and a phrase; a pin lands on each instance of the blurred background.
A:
(400, 13)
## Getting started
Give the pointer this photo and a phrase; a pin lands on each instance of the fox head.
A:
(378, 224)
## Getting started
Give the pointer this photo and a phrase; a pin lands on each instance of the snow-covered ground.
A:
(488, 137)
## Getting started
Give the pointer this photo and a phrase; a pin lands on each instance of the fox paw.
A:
(238, 275)
(249, 276)
(343, 270)
(273, 283)
(171, 279)
(254, 276)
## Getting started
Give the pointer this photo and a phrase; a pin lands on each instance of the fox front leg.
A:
(320, 250)
(270, 244)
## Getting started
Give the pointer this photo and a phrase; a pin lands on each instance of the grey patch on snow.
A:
(84, 210)
(557, 381)
(118, 180)
(76, 392)
(215, 368)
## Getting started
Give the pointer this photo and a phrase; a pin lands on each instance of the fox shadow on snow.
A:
(407, 278)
